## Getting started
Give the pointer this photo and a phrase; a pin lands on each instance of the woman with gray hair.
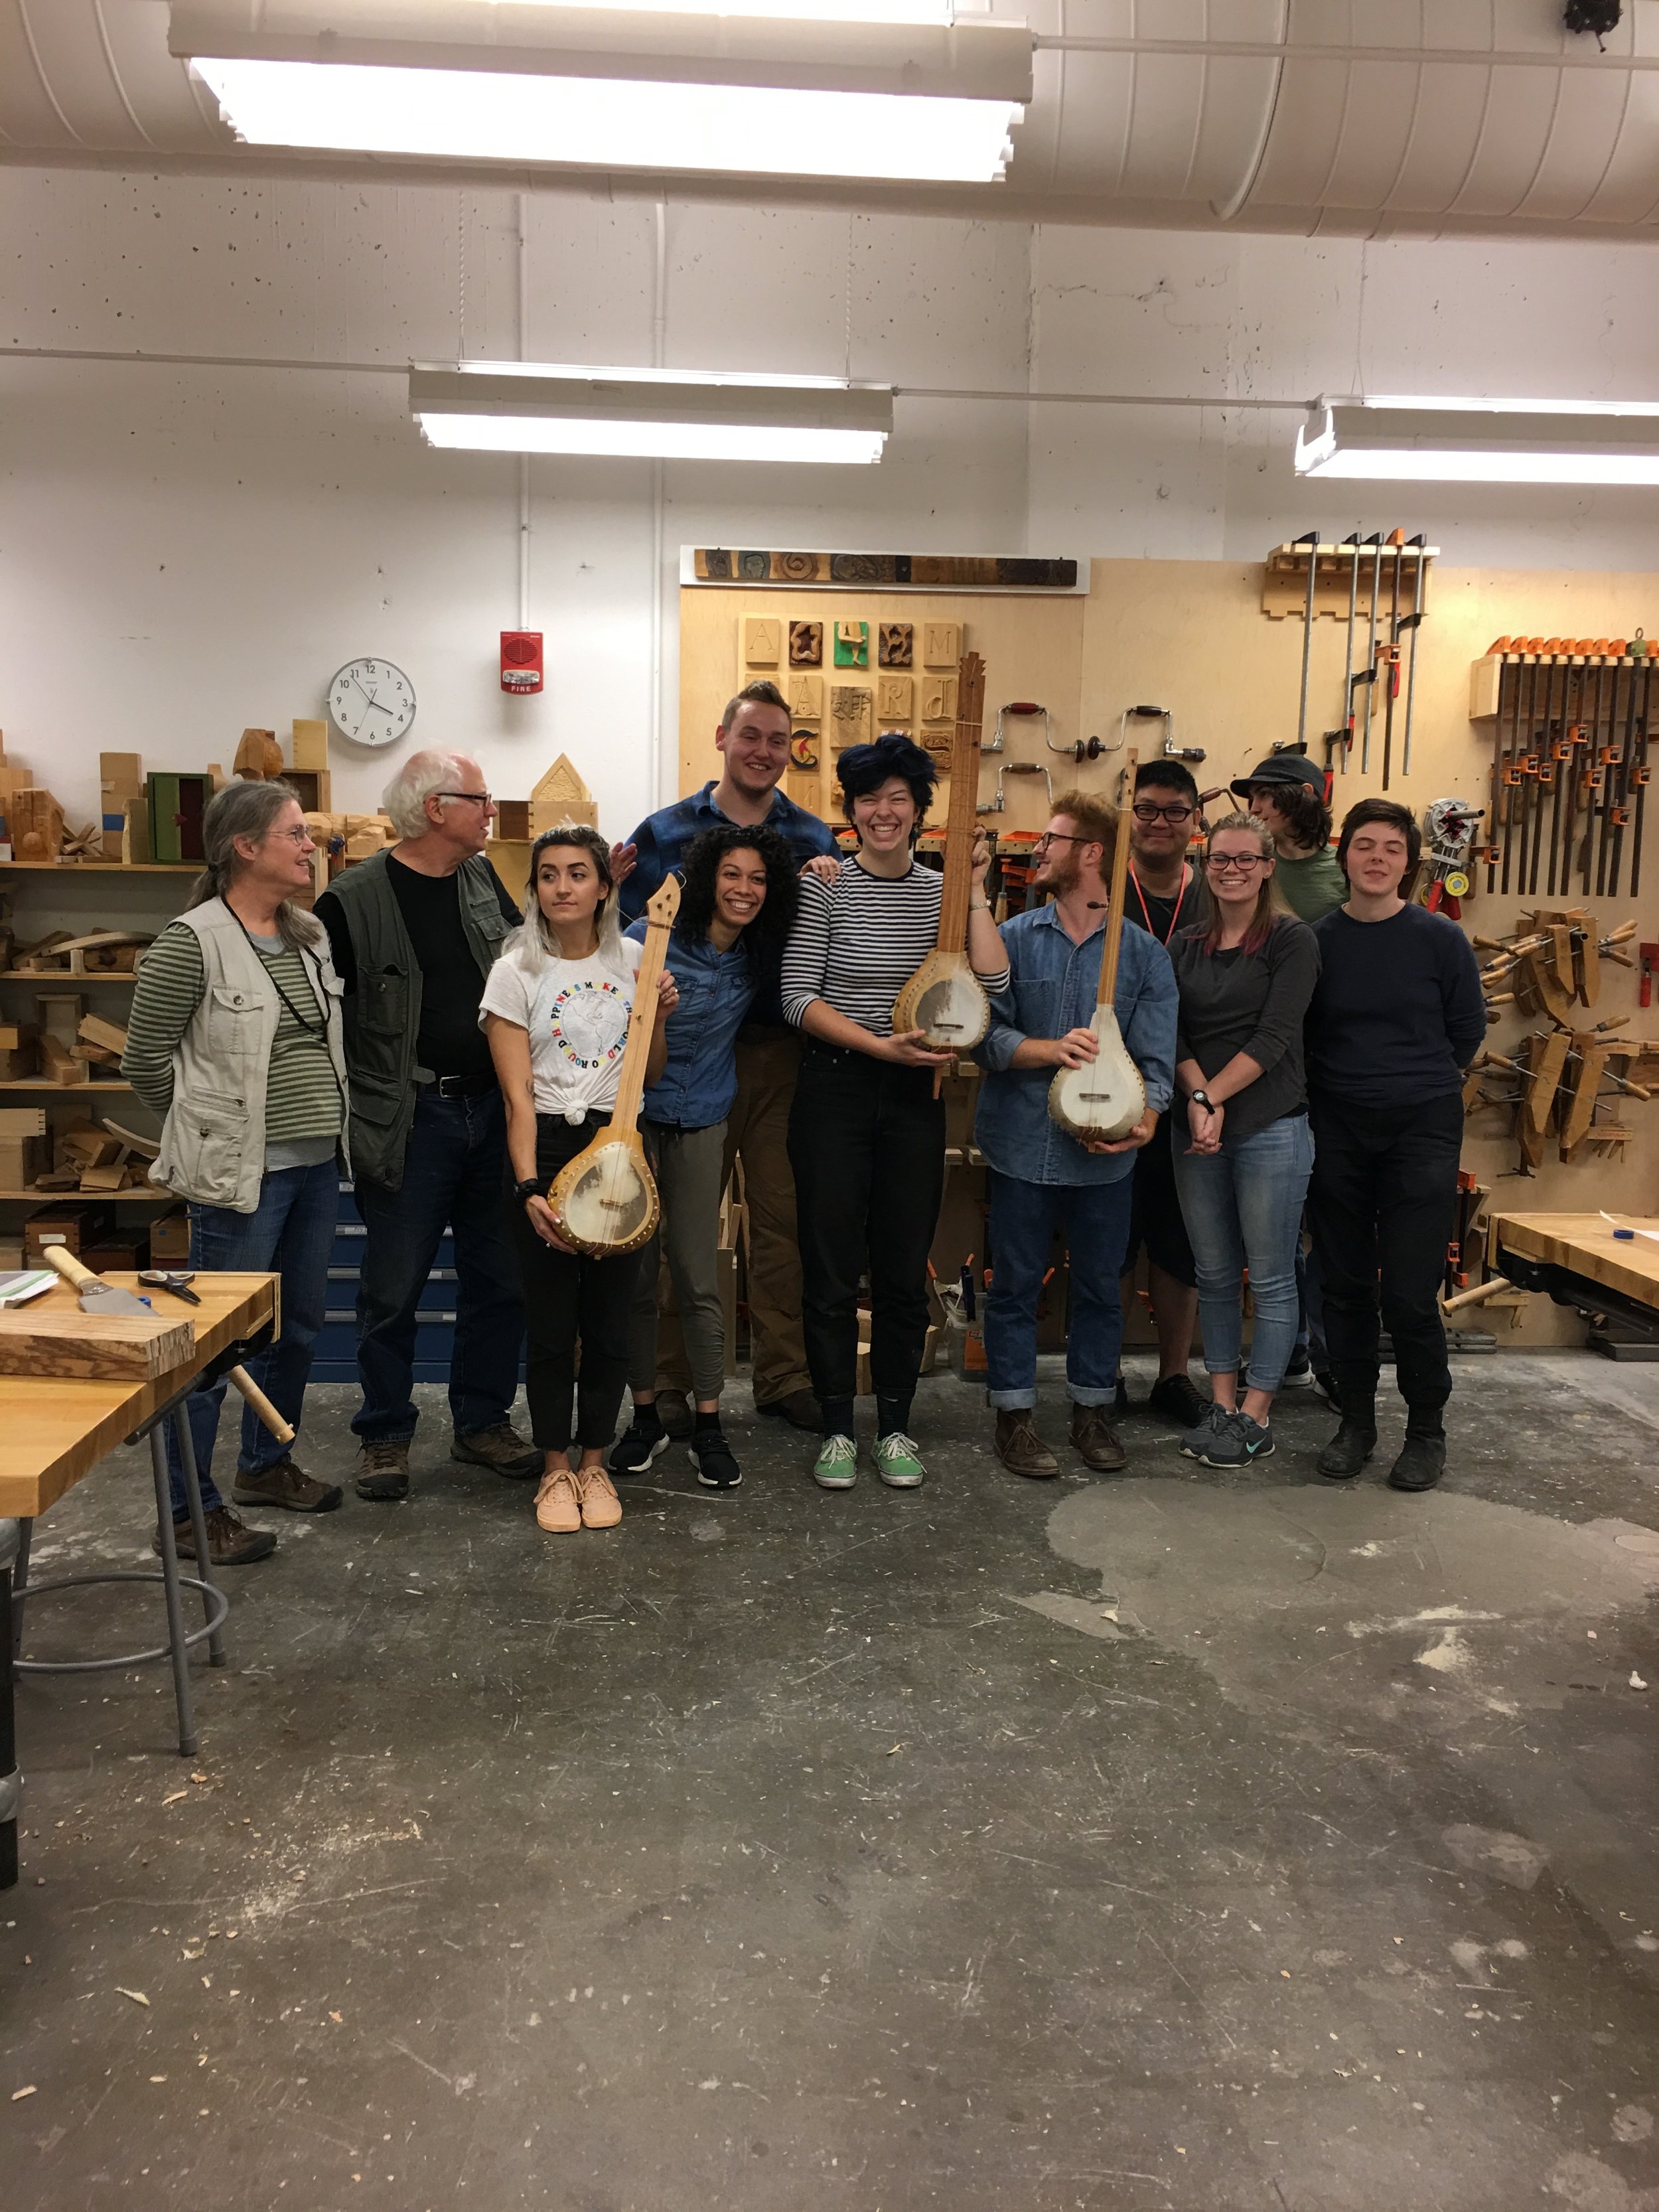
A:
(235, 1041)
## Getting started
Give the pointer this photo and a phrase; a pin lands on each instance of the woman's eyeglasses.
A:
(1143, 811)
(300, 836)
(1244, 863)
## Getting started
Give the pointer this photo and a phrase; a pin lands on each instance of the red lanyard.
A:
(1145, 912)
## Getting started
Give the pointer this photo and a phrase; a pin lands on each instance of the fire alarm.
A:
(521, 660)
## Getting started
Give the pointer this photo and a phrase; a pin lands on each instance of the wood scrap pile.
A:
(98, 1159)
(104, 952)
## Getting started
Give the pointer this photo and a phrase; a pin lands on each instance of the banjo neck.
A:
(1112, 943)
(960, 817)
(642, 1022)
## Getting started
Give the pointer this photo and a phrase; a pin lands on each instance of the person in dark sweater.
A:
(1396, 1019)
(1246, 972)
(413, 932)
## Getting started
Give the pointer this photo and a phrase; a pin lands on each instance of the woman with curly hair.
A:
(737, 904)
(866, 1132)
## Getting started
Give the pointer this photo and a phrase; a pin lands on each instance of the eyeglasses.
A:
(1244, 862)
(1057, 838)
(479, 797)
(1145, 812)
(300, 836)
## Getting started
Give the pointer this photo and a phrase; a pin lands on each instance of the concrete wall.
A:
(186, 551)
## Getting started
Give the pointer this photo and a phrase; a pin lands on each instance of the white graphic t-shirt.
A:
(576, 1013)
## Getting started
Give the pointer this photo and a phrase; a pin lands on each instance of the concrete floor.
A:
(1172, 1841)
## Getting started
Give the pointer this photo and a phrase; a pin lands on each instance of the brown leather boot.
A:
(1094, 1443)
(1019, 1447)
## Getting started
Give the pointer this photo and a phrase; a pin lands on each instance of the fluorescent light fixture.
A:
(795, 93)
(681, 414)
(1481, 441)
(821, 11)
(612, 123)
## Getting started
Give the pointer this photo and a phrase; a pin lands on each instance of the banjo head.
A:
(605, 1201)
(947, 1004)
(1100, 1102)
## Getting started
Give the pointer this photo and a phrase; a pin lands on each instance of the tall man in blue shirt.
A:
(1041, 1179)
(753, 742)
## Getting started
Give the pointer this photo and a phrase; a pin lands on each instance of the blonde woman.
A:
(557, 1009)
(1245, 971)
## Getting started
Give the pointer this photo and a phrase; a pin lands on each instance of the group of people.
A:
(1300, 1028)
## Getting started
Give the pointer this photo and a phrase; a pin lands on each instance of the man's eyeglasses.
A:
(1059, 837)
(1143, 811)
(479, 797)
(1245, 863)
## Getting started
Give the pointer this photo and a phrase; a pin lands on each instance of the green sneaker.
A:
(897, 1462)
(836, 1467)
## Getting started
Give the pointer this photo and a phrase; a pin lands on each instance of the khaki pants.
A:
(758, 1134)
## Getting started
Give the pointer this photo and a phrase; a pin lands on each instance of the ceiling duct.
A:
(1426, 117)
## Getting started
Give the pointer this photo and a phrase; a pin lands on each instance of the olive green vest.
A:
(383, 1015)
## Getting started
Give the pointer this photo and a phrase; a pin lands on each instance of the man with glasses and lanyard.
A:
(1163, 897)
(414, 932)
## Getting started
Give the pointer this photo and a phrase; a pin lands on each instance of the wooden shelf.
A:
(102, 867)
(64, 1090)
(116, 1197)
(32, 976)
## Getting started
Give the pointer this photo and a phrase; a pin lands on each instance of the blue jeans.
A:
(1244, 1207)
(454, 1167)
(290, 1233)
(1025, 1217)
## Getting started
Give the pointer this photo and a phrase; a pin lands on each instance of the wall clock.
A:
(372, 703)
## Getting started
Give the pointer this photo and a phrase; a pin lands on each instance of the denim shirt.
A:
(1052, 989)
(716, 988)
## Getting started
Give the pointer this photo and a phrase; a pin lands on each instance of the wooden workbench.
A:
(55, 1431)
(1583, 1245)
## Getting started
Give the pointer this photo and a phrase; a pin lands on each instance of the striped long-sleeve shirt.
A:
(302, 1099)
(856, 943)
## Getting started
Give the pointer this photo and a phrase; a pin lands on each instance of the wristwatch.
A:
(532, 1187)
(1201, 1099)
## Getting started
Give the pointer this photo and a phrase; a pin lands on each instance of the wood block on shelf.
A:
(80, 1227)
(58, 1064)
(309, 743)
(59, 1015)
(512, 819)
(169, 1239)
(95, 1029)
(19, 1062)
(21, 1160)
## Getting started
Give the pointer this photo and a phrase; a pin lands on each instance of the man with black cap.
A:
(1286, 793)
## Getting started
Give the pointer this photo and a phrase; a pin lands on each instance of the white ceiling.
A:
(1368, 118)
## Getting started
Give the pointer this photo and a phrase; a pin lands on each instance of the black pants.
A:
(866, 1142)
(570, 1299)
(1380, 1205)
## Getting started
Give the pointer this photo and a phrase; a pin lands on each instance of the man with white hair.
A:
(414, 932)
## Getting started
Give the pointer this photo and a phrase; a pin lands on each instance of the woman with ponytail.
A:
(234, 1043)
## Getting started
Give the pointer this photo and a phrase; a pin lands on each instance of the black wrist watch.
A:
(532, 1187)
(1201, 1099)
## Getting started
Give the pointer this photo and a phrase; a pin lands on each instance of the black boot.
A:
(1350, 1447)
(1422, 1460)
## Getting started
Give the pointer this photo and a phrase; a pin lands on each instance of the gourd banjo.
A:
(944, 999)
(1103, 1100)
(604, 1202)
